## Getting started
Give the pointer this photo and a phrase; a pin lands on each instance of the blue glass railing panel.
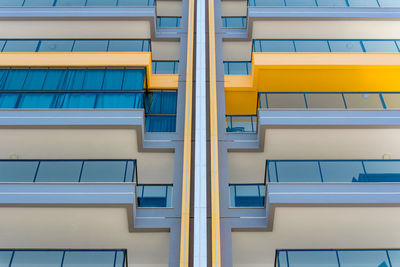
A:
(160, 123)
(74, 3)
(247, 195)
(74, 45)
(241, 123)
(333, 171)
(168, 22)
(237, 67)
(165, 67)
(154, 196)
(37, 258)
(326, 46)
(234, 22)
(52, 171)
(305, 3)
(325, 3)
(89, 258)
(162, 102)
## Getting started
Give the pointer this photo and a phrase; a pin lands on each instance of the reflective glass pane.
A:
(93, 79)
(276, 46)
(56, 46)
(130, 171)
(234, 22)
(392, 101)
(300, 171)
(363, 258)
(382, 171)
(334, 101)
(271, 171)
(363, 3)
(17, 171)
(15, 79)
(90, 46)
(247, 191)
(312, 259)
(164, 67)
(77, 100)
(37, 100)
(341, 171)
(311, 46)
(35, 79)
(37, 259)
(21, 46)
(11, 2)
(269, 2)
(103, 171)
(70, 2)
(55, 79)
(2, 43)
(8, 100)
(119, 100)
(113, 79)
(282, 259)
(380, 46)
(41, 3)
(73, 79)
(160, 123)
(250, 195)
(89, 259)
(363, 101)
(301, 3)
(5, 257)
(120, 259)
(59, 171)
(389, 3)
(101, 2)
(262, 100)
(344, 46)
(331, 2)
(127, 46)
(394, 256)
(133, 80)
(238, 68)
(286, 101)
(168, 22)
(168, 103)
(242, 124)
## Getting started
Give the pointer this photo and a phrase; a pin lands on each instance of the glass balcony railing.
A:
(247, 195)
(74, 45)
(237, 67)
(234, 22)
(338, 258)
(62, 258)
(333, 171)
(241, 123)
(325, 3)
(160, 109)
(165, 66)
(75, 3)
(67, 171)
(327, 46)
(326, 100)
(154, 196)
(168, 22)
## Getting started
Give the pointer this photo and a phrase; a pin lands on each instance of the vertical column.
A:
(200, 188)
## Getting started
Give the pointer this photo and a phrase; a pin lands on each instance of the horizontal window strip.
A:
(168, 22)
(333, 171)
(247, 195)
(160, 123)
(237, 67)
(63, 258)
(75, 3)
(338, 258)
(325, 3)
(326, 46)
(74, 45)
(241, 123)
(165, 66)
(331, 101)
(234, 22)
(154, 196)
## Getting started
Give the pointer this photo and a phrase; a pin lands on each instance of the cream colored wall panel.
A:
(327, 29)
(81, 228)
(165, 50)
(313, 144)
(237, 51)
(87, 144)
(169, 8)
(74, 29)
(233, 8)
(318, 228)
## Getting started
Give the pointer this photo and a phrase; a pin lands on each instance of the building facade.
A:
(223, 133)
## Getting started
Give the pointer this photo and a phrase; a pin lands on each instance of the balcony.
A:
(63, 258)
(337, 258)
(76, 3)
(234, 22)
(168, 22)
(247, 195)
(324, 3)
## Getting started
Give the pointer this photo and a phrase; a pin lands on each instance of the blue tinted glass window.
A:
(90, 46)
(331, 2)
(300, 171)
(301, 2)
(89, 259)
(168, 22)
(2, 43)
(341, 171)
(250, 195)
(120, 259)
(389, 3)
(380, 46)
(59, 171)
(3, 77)
(101, 2)
(56, 46)
(5, 257)
(55, 79)
(394, 256)
(282, 259)
(381, 171)
(363, 258)
(21, 46)
(15, 79)
(346, 46)
(160, 123)
(136, 2)
(125, 100)
(234, 22)
(130, 171)
(73, 79)
(35, 100)
(154, 196)
(113, 79)
(128, 45)
(35, 79)
(133, 80)
(271, 171)
(70, 2)
(269, 2)
(77, 100)
(8, 100)
(17, 171)
(312, 258)
(38, 2)
(11, 3)
(93, 79)
(311, 46)
(277, 46)
(164, 67)
(237, 68)
(363, 3)
(103, 171)
(37, 259)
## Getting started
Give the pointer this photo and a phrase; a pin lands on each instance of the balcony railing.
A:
(75, 3)
(154, 196)
(234, 22)
(237, 67)
(338, 258)
(333, 171)
(168, 22)
(247, 195)
(68, 171)
(327, 46)
(63, 258)
(325, 3)
(326, 100)
(74, 45)
(165, 66)
(241, 123)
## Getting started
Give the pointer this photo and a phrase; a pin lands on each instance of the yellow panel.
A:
(241, 103)
(91, 59)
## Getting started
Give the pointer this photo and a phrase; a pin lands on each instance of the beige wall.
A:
(169, 8)
(233, 8)
(237, 50)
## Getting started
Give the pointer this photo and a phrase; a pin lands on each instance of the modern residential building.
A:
(141, 133)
